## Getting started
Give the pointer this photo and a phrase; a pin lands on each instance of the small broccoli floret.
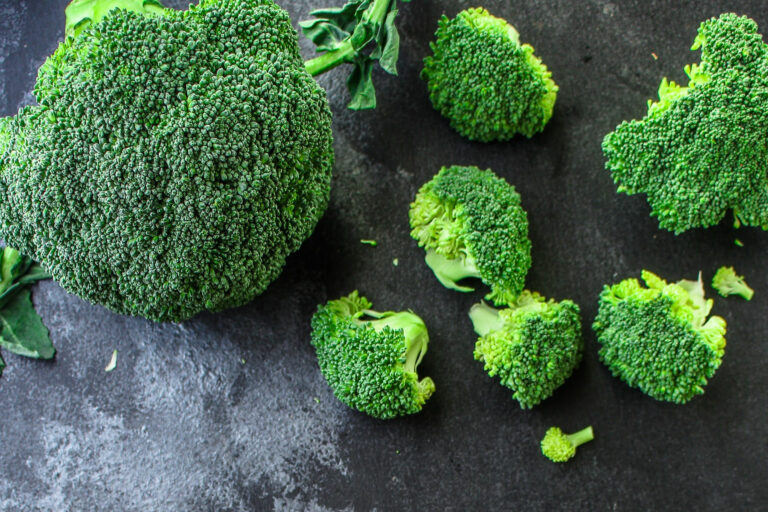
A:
(658, 339)
(533, 345)
(726, 282)
(369, 359)
(175, 159)
(472, 225)
(702, 150)
(488, 84)
(560, 447)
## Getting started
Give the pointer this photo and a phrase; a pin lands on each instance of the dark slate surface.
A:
(229, 411)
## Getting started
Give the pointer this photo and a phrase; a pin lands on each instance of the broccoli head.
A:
(533, 345)
(472, 224)
(702, 150)
(175, 158)
(727, 282)
(369, 358)
(658, 339)
(558, 446)
(484, 81)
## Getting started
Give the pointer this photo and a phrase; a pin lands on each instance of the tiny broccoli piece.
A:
(369, 359)
(560, 447)
(726, 282)
(488, 84)
(533, 345)
(472, 224)
(658, 339)
(175, 159)
(702, 150)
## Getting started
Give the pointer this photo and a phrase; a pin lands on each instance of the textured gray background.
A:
(184, 424)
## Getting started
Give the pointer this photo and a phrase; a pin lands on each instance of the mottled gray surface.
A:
(229, 411)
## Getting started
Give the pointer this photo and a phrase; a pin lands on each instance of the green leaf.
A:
(360, 85)
(13, 264)
(389, 45)
(326, 36)
(2, 365)
(34, 274)
(21, 329)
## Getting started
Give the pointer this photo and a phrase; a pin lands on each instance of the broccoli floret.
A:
(533, 345)
(726, 282)
(472, 224)
(369, 359)
(702, 150)
(560, 447)
(175, 159)
(658, 339)
(484, 81)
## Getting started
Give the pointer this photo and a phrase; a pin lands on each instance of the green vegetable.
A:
(658, 339)
(702, 150)
(484, 81)
(726, 282)
(175, 160)
(361, 33)
(21, 329)
(372, 243)
(369, 359)
(472, 225)
(560, 447)
(533, 345)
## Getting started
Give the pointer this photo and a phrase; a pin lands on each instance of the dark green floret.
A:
(658, 339)
(487, 83)
(369, 359)
(558, 446)
(727, 282)
(472, 225)
(702, 150)
(533, 346)
(175, 159)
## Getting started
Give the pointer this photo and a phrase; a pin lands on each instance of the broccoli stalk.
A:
(343, 33)
(450, 271)
(561, 447)
(727, 282)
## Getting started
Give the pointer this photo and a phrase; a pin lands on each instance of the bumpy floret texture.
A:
(476, 218)
(174, 160)
(702, 150)
(658, 339)
(535, 347)
(371, 364)
(484, 81)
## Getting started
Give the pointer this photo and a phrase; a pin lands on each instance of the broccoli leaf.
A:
(21, 329)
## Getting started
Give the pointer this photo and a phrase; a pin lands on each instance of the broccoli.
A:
(701, 150)
(369, 358)
(560, 447)
(484, 81)
(726, 282)
(472, 224)
(533, 346)
(658, 339)
(175, 159)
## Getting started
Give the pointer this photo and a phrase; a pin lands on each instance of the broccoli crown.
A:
(174, 160)
(702, 149)
(533, 346)
(488, 85)
(727, 282)
(561, 447)
(370, 363)
(472, 224)
(658, 339)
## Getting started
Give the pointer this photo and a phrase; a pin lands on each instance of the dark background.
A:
(229, 411)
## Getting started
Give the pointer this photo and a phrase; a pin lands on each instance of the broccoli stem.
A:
(582, 436)
(449, 271)
(371, 21)
(485, 318)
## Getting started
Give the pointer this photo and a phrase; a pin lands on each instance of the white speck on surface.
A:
(112, 362)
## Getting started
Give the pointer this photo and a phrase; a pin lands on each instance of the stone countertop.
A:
(229, 412)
